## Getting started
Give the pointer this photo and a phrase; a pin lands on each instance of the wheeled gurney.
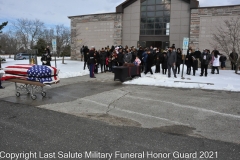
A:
(29, 87)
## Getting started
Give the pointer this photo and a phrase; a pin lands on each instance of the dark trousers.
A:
(213, 70)
(148, 69)
(188, 70)
(204, 69)
(91, 69)
(0, 82)
(157, 69)
(96, 69)
(85, 63)
(173, 69)
(103, 66)
(177, 68)
(233, 66)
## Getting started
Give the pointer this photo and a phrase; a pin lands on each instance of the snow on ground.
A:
(227, 80)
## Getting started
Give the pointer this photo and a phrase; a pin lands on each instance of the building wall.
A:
(99, 30)
(179, 22)
(131, 24)
(204, 22)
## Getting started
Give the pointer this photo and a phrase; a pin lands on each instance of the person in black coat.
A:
(103, 56)
(46, 58)
(223, 59)
(205, 60)
(139, 54)
(179, 60)
(158, 61)
(85, 54)
(188, 61)
(149, 62)
(120, 57)
(97, 61)
(164, 63)
(194, 62)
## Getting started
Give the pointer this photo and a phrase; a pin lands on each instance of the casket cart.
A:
(31, 79)
(29, 87)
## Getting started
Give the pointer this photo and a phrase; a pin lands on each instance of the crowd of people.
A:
(169, 59)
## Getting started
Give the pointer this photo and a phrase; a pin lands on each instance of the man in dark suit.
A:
(171, 62)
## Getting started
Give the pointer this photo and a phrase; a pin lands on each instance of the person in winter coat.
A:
(149, 62)
(188, 61)
(234, 57)
(46, 58)
(139, 54)
(120, 56)
(102, 61)
(205, 60)
(194, 62)
(158, 61)
(85, 56)
(110, 63)
(216, 62)
(172, 58)
(223, 60)
(179, 60)
(127, 58)
(97, 61)
(164, 63)
(137, 61)
(91, 61)
(144, 60)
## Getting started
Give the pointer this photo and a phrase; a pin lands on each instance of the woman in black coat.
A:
(158, 61)
(188, 61)
(164, 63)
(103, 56)
(179, 60)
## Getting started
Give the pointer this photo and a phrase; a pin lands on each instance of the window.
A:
(155, 17)
(150, 2)
(150, 8)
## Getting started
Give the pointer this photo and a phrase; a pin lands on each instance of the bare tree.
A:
(9, 43)
(28, 31)
(227, 38)
(63, 38)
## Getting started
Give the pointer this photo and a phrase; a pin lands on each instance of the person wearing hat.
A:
(91, 61)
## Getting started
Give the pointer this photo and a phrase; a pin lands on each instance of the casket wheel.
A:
(44, 94)
(33, 97)
(18, 94)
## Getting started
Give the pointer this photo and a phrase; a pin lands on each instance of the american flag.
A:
(40, 73)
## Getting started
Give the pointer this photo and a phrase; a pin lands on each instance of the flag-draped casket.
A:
(40, 73)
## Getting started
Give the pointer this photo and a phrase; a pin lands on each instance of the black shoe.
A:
(175, 76)
(93, 77)
(201, 75)
(2, 87)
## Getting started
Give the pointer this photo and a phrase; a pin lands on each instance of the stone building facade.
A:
(97, 30)
(158, 23)
(204, 22)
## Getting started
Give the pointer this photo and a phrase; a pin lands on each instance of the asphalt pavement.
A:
(83, 118)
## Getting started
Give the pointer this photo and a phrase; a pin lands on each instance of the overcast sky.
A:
(56, 12)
